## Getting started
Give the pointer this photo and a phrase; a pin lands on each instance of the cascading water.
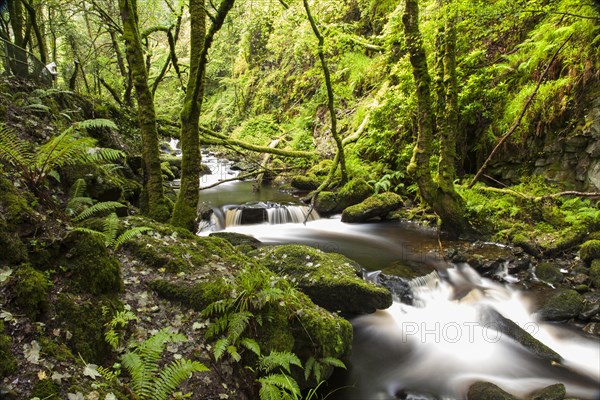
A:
(447, 340)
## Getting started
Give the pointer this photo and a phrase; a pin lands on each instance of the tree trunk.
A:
(154, 204)
(19, 64)
(441, 196)
(184, 213)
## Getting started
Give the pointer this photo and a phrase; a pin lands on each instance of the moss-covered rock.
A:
(327, 203)
(196, 295)
(329, 279)
(595, 273)
(92, 270)
(353, 192)
(29, 288)
(85, 319)
(590, 250)
(306, 182)
(238, 239)
(17, 219)
(561, 304)
(548, 272)
(552, 392)
(376, 206)
(488, 391)
(9, 363)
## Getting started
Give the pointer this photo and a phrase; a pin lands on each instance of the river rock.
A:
(350, 194)
(488, 391)
(493, 319)
(238, 239)
(590, 251)
(595, 273)
(548, 272)
(561, 304)
(552, 392)
(376, 206)
(331, 280)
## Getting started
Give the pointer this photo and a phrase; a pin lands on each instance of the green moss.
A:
(238, 239)
(85, 320)
(594, 236)
(376, 206)
(562, 304)
(306, 182)
(196, 296)
(552, 392)
(30, 291)
(329, 279)
(566, 239)
(58, 351)
(488, 391)
(327, 202)
(15, 216)
(590, 250)
(45, 389)
(355, 191)
(9, 363)
(92, 269)
(595, 273)
(321, 169)
(548, 272)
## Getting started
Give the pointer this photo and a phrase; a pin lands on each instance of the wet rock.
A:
(398, 286)
(306, 182)
(519, 264)
(488, 391)
(590, 250)
(589, 312)
(238, 239)
(329, 279)
(376, 206)
(595, 273)
(350, 194)
(593, 328)
(548, 272)
(492, 318)
(552, 392)
(562, 304)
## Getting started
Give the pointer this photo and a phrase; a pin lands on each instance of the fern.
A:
(97, 123)
(116, 326)
(98, 208)
(128, 235)
(278, 360)
(143, 365)
(280, 387)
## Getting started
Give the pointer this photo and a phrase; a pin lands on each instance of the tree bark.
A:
(19, 64)
(184, 214)
(441, 196)
(154, 204)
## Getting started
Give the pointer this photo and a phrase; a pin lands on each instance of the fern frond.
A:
(279, 360)
(129, 234)
(333, 362)
(173, 375)
(233, 353)
(220, 347)
(251, 345)
(104, 154)
(284, 382)
(110, 228)
(78, 188)
(217, 327)
(15, 150)
(97, 208)
(96, 123)
(238, 323)
(140, 371)
(89, 232)
(269, 392)
(63, 149)
(308, 367)
(38, 107)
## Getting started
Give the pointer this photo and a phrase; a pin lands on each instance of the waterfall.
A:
(290, 214)
(258, 213)
(452, 336)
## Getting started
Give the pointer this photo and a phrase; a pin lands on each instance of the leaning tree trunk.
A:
(19, 63)
(184, 213)
(440, 195)
(154, 203)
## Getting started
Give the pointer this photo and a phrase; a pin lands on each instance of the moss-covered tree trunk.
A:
(19, 64)
(154, 203)
(440, 195)
(340, 159)
(184, 214)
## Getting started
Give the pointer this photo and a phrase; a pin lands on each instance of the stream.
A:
(434, 348)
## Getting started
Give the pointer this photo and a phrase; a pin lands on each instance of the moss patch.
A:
(30, 290)
(376, 206)
(590, 250)
(196, 296)
(329, 279)
(548, 272)
(595, 273)
(9, 363)
(92, 269)
(488, 391)
(85, 320)
(562, 304)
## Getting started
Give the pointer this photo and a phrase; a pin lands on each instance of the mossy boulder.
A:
(488, 391)
(376, 206)
(84, 319)
(561, 304)
(548, 272)
(29, 289)
(595, 273)
(178, 250)
(351, 193)
(238, 239)
(91, 269)
(590, 250)
(194, 295)
(306, 182)
(552, 392)
(329, 279)
(9, 363)
(17, 219)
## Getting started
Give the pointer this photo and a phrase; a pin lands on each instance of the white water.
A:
(441, 346)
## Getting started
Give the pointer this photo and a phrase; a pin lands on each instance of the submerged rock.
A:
(329, 279)
(488, 391)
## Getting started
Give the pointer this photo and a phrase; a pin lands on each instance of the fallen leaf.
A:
(58, 377)
(91, 370)
(32, 352)
(42, 375)
(75, 396)
(5, 273)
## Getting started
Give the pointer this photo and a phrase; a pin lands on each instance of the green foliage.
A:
(117, 326)
(110, 232)
(148, 380)
(34, 166)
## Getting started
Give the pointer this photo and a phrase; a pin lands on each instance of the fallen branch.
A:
(517, 123)
(242, 177)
